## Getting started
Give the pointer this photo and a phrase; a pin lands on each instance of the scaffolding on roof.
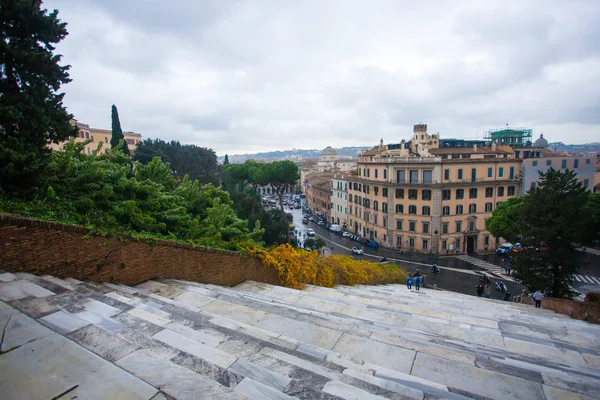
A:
(515, 137)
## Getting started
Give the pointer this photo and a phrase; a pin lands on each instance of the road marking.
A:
(596, 281)
(577, 278)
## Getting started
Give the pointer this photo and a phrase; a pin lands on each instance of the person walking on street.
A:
(418, 282)
(409, 282)
(537, 297)
(479, 289)
(488, 291)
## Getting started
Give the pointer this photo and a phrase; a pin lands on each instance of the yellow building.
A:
(99, 135)
(415, 195)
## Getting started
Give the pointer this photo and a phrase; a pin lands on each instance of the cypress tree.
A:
(32, 114)
(117, 132)
(226, 160)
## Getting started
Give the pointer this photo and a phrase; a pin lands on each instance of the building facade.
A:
(418, 196)
(85, 132)
(339, 200)
(317, 188)
(584, 167)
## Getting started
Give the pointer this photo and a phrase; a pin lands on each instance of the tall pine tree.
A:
(32, 114)
(226, 160)
(117, 132)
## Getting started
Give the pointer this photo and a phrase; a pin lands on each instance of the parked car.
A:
(518, 248)
(335, 228)
(305, 220)
(311, 219)
(357, 250)
(504, 248)
(310, 232)
(321, 223)
(373, 244)
(346, 234)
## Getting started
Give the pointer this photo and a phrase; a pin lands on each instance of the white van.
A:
(335, 228)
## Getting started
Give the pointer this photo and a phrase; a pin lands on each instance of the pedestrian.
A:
(479, 289)
(409, 282)
(507, 296)
(488, 291)
(537, 297)
(504, 264)
(418, 282)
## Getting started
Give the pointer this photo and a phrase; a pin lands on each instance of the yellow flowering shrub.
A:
(298, 267)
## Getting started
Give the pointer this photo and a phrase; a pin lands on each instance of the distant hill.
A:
(575, 148)
(291, 154)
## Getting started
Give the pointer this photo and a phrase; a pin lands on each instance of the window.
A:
(563, 162)
(587, 161)
(375, 205)
(533, 185)
(427, 176)
(444, 244)
(400, 176)
(446, 194)
(490, 172)
(534, 163)
(460, 194)
(425, 244)
(586, 182)
(384, 207)
(444, 228)
(511, 191)
(472, 208)
(473, 193)
(411, 242)
(376, 172)
(472, 226)
(511, 173)
(426, 210)
(446, 210)
(411, 226)
(398, 241)
(446, 174)
(548, 162)
(399, 209)
(488, 207)
(368, 173)
(500, 172)
(486, 240)
(375, 222)
(460, 176)
(473, 175)
(412, 209)
(105, 139)
(459, 209)
(412, 194)
(576, 163)
(489, 192)
(425, 227)
(376, 190)
(457, 243)
(500, 191)
(399, 193)
(384, 192)
(350, 199)
(414, 176)
(426, 194)
(458, 226)
(399, 225)
(385, 174)
(87, 135)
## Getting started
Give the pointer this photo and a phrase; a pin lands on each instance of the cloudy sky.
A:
(251, 76)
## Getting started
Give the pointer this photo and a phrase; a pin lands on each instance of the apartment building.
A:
(317, 188)
(418, 196)
(339, 200)
(85, 132)
(584, 167)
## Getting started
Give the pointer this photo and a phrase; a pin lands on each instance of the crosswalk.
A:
(586, 279)
(480, 263)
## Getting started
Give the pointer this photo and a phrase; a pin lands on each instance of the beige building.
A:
(317, 188)
(417, 196)
(99, 135)
(339, 200)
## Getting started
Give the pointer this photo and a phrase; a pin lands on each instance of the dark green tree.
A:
(32, 114)
(554, 214)
(226, 160)
(280, 175)
(505, 219)
(117, 132)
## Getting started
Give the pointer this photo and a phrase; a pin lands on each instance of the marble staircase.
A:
(175, 339)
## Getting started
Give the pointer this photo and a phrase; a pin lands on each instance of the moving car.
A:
(305, 220)
(310, 232)
(504, 248)
(357, 250)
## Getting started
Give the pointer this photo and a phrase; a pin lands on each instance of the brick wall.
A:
(585, 311)
(42, 247)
